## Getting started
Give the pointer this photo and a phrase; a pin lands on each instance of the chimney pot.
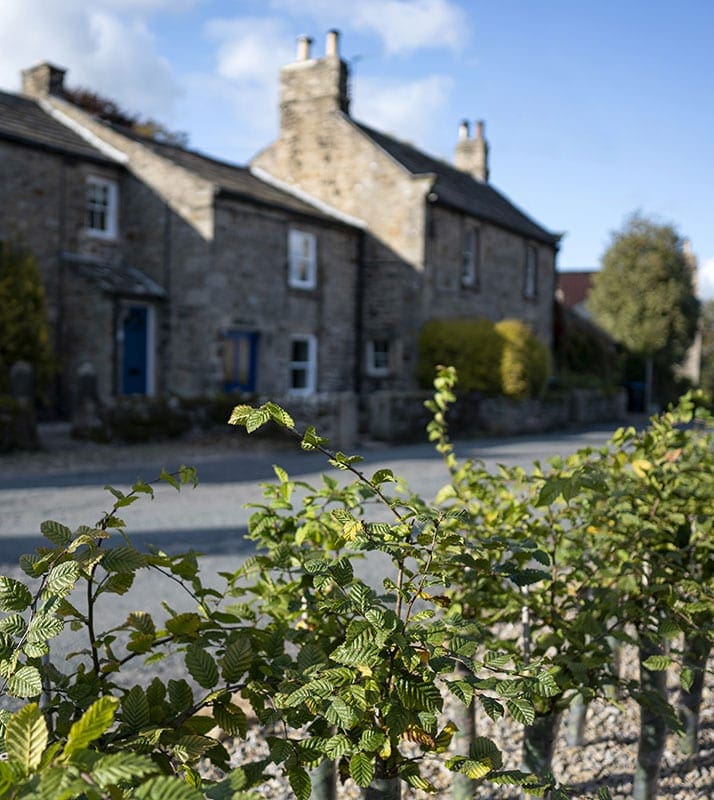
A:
(480, 127)
(42, 80)
(464, 130)
(332, 44)
(303, 48)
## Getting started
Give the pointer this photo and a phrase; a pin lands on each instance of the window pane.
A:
(301, 350)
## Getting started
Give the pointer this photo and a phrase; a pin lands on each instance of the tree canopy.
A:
(644, 296)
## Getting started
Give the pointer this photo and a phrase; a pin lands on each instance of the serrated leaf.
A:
(256, 419)
(237, 659)
(383, 476)
(136, 713)
(121, 767)
(14, 595)
(180, 695)
(521, 710)
(26, 682)
(231, 718)
(279, 415)
(43, 627)
(686, 678)
(362, 769)
(26, 737)
(123, 559)
(95, 721)
(201, 667)
(657, 663)
(165, 787)
(240, 414)
(62, 578)
(338, 746)
(14, 624)
(300, 783)
(60, 535)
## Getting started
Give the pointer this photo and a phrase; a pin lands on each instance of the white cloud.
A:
(411, 110)
(402, 25)
(103, 51)
(706, 279)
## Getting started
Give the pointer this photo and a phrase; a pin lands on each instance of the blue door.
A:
(241, 361)
(135, 361)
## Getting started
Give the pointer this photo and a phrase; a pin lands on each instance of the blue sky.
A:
(593, 109)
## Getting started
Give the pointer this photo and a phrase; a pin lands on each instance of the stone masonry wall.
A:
(250, 292)
(499, 294)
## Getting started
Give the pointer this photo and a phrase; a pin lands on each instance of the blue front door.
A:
(135, 361)
(241, 361)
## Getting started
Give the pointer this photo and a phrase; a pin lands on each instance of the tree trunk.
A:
(539, 743)
(384, 789)
(696, 653)
(653, 727)
(575, 735)
(324, 781)
(648, 383)
(462, 787)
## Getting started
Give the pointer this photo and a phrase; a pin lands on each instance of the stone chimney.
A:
(42, 80)
(311, 87)
(472, 152)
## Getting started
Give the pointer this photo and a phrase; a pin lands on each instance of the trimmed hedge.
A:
(503, 358)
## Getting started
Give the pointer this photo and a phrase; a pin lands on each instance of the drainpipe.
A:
(359, 309)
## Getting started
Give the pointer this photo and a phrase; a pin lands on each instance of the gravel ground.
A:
(607, 758)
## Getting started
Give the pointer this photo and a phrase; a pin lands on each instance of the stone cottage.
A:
(170, 272)
(307, 275)
(440, 240)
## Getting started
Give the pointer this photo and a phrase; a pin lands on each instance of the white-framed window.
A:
(302, 377)
(302, 259)
(101, 207)
(378, 357)
(471, 259)
(530, 273)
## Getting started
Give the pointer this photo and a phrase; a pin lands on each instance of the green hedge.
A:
(503, 358)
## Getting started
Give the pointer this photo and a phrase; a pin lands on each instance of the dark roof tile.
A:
(457, 189)
(23, 120)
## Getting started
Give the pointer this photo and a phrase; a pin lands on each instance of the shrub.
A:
(24, 332)
(472, 346)
(525, 360)
(585, 356)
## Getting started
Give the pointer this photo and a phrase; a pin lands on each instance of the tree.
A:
(644, 295)
(24, 332)
(707, 328)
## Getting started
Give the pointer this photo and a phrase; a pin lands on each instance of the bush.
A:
(17, 426)
(585, 356)
(525, 361)
(24, 332)
(472, 346)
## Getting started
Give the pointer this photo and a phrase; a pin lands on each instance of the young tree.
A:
(644, 295)
(24, 333)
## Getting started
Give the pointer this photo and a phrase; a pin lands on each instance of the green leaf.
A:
(231, 718)
(279, 415)
(123, 767)
(62, 578)
(14, 624)
(383, 476)
(26, 737)
(240, 414)
(362, 769)
(237, 659)
(521, 710)
(165, 787)
(180, 695)
(256, 419)
(201, 666)
(14, 596)
(95, 721)
(167, 477)
(300, 783)
(123, 559)
(338, 746)
(135, 709)
(59, 535)
(686, 678)
(43, 627)
(26, 682)
(657, 663)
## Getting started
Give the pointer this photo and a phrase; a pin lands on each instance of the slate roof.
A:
(118, 279)
(457, 189)
(23, 120)
(231, 179)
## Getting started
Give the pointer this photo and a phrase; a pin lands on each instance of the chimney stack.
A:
(472, 153)
(43, 80)
(332, 44)
(303, 48)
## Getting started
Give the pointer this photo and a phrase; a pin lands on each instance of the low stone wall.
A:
(401, 416)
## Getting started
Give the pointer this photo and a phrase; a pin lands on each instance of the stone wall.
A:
(401, 416)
